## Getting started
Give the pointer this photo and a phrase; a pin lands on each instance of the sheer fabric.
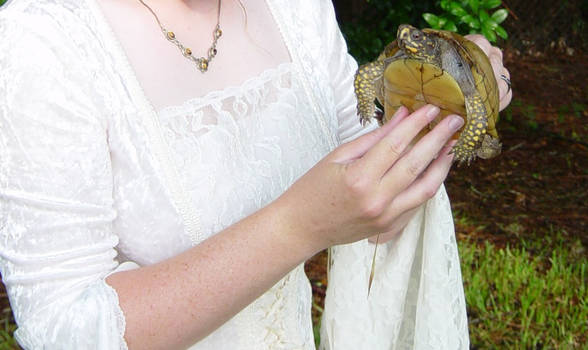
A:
(94, 180)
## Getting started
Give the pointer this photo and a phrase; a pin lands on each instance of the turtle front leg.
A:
(365, 89)
(474, 130)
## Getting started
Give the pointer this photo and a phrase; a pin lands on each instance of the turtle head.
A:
(415, 43)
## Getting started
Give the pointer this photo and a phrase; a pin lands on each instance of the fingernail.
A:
(456, 122)
(432, 112)
(399, 111)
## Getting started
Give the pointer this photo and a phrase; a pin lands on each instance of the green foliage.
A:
(470, 16)
(373, 28)
(519, 300)
(2, 2)
(7, 341)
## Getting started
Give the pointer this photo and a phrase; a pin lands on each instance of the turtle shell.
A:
(412, 83)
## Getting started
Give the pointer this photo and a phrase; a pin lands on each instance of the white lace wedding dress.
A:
(94, 180)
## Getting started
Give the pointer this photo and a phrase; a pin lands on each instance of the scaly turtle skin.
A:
(440, 68)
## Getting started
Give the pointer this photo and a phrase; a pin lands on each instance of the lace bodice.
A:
(94, 180)
(238, 149)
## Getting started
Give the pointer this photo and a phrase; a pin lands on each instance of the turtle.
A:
(441, 68)
(437, 67)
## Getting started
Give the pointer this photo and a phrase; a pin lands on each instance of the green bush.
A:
(470, 16)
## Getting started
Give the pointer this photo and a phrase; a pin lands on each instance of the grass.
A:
(7, 341)
(519, 300)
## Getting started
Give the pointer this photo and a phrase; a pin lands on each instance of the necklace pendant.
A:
(203, 64)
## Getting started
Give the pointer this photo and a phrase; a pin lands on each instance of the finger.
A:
(358, 147)
(376, 161)
(426, 186)
(505, 89)
(396, 119)
(496, 51)
(497, 68)
(409, 167)
(400, 115)
(505, 101)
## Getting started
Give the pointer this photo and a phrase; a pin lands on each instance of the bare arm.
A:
(179, 301)
(361, 188)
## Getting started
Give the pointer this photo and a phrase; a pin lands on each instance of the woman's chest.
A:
(232, 152)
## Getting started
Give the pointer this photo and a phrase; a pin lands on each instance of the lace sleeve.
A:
(56, 241)
(342, 67)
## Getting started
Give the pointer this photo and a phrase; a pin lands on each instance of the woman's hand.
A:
(500, 72)
(372, 184)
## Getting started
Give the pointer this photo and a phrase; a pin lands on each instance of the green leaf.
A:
(442, 21)
(445, 4)
(488, 32)
(474, 5)
(490, 4)
(450, 26)
(484, 16)
(456, 9)
(501, 31)
(500, 15)
(432, 19)
(490, 24)
(471, 21)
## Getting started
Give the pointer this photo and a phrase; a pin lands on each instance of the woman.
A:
(153, 200)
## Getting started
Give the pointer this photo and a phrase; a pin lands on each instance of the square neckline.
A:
(146, 111)
(130, 74)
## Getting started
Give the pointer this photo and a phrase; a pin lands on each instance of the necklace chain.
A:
(201, 62)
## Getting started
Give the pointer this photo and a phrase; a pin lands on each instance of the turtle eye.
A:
(415, 35)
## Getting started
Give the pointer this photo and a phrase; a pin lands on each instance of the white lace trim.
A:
(231, 91)
(118, 314)
(189, 214)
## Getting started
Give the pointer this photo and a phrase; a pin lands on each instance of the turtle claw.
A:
(365, 118)
(375, 113)
(462, 154)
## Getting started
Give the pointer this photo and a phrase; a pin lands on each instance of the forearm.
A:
(179, 301)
